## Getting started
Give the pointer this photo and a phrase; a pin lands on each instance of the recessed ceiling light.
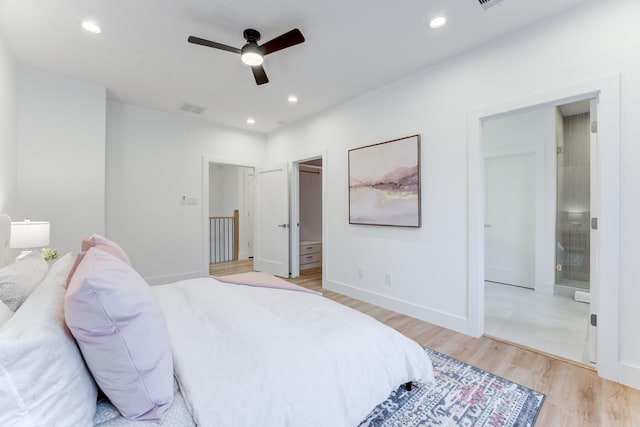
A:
(438, 22)
(251, 121)
(92, 27)
(292, 99)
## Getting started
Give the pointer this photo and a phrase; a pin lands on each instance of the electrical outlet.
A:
(360, 272)
(387, 278)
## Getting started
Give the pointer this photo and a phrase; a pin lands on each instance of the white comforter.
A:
(247, 356)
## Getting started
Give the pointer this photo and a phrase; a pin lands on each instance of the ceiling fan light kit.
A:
(253, 54)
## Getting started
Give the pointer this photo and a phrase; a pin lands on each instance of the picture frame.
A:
(384, 183)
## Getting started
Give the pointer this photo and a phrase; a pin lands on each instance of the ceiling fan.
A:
(251, 53)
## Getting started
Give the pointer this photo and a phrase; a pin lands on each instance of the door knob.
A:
(487, 225)
(283, 225)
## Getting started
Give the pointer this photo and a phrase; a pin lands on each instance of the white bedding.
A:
(247, 356)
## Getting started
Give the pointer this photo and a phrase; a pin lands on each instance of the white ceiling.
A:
(142, 57)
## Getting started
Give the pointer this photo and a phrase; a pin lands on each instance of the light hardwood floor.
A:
(576, 396)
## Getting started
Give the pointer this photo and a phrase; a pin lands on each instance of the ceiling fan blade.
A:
(260, 75)
(284, 41)
(209, 43)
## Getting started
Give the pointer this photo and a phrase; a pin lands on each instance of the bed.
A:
(93, 344)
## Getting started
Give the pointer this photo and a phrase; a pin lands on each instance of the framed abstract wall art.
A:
(384, 183)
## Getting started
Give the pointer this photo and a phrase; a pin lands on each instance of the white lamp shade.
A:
(29, 234)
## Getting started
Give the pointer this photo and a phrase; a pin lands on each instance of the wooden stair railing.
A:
(224, 237)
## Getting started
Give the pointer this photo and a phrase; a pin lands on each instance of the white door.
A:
(510, 219)
(271, 232)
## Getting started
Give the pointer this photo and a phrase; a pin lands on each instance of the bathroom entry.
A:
(538, 198)
(549, 155)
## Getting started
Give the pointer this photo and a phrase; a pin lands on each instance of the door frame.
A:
(594, 236)
(295, 211)
(249, 214)
(607, 91)
(205, 202)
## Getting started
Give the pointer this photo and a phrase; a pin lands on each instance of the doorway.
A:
(309, 214)
(308, 233)
(278, 207)
(537, 316)
(605, 267)
(228, 211)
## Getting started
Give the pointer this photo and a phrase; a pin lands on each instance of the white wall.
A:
(225, 189)
(153, 159)
(532, 130)
(8, 131)
(61, 155)
(429, 264)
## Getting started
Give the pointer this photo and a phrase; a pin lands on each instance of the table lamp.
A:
(28, 235)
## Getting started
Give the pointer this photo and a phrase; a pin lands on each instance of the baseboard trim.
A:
(426, 314)
(629, 375)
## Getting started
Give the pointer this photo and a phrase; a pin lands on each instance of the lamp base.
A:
(23, 254)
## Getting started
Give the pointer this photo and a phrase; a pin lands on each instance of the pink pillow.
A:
(74, 267)
(102, 243)
(121, 331)
(106, 245)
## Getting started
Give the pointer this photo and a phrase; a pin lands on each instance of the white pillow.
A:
(18, 280)
(5, 313)
(43, 378)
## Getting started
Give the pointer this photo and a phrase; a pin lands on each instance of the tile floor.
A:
(554, 324)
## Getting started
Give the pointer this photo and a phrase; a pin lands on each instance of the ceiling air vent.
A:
(190, 108)
(486, 4)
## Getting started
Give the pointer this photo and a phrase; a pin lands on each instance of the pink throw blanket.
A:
(262, 280)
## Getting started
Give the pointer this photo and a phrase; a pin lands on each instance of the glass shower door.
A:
(573, 204)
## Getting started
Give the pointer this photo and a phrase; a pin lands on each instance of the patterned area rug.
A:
(463, 395)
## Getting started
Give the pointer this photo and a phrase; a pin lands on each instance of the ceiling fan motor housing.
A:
(251, 35)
